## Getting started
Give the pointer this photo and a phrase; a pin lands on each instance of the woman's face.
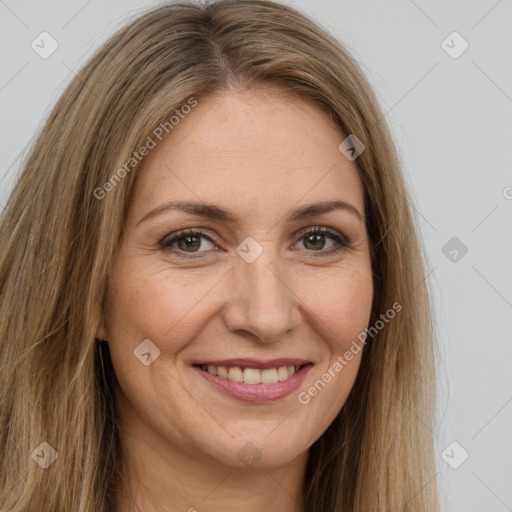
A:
(197, 321)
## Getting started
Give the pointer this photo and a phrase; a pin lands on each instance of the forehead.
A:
(262, 150)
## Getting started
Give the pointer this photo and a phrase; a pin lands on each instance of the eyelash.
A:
(342, 244)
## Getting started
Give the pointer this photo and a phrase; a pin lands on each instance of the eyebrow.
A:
(211, 211)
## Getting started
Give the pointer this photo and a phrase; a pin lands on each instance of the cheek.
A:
(156, 304)
(342, 307)
(342, 302)
(171, 307)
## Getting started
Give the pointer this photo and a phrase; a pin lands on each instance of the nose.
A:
(261, 300)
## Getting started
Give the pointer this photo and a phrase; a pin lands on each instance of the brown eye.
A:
(315, 241)
(187, 241)
(319, 238)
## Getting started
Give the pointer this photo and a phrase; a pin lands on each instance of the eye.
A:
(188, 242)
(316, 240)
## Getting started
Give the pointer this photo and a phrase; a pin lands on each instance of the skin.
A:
(260, 153)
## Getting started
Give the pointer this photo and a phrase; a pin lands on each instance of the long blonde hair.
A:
(58, 242)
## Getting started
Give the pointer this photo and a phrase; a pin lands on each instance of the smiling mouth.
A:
(252, 375)
(255, 380)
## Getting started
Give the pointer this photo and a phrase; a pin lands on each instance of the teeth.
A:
(269, 376)
(252, 375)
(282, 373)
(236, 374)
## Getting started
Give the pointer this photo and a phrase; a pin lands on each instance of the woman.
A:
(212, 290)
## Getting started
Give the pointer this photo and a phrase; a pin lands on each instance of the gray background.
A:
(452, 121)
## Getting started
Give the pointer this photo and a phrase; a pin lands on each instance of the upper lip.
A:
(254, 363)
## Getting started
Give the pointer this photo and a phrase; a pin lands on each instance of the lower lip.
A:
(257, 392)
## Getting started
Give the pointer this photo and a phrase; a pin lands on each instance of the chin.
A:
(258, 448)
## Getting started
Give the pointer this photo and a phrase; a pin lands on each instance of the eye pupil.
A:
(314, 239)
(190, 241)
